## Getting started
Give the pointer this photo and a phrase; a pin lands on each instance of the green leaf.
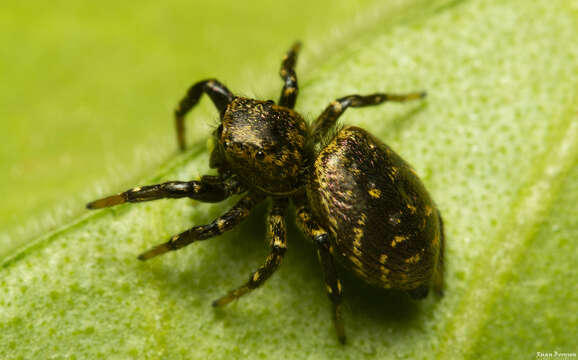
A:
(496, 143)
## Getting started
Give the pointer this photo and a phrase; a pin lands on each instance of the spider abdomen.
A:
(383, 223)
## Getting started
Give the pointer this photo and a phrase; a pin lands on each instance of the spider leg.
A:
(207, 189)
(277, 234)
(329, 117)
(287, 72)
(325, 255)
(226, 222)
(218, 92)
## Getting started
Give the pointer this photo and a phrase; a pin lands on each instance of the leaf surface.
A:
(496, 143)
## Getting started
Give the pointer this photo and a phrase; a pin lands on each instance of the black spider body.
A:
(355, 198)
(382, 220)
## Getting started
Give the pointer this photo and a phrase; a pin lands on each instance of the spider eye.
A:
(260, 155)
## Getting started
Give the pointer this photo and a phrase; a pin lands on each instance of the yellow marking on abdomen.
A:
(412, 209)
(357, 241)
(392, 173)
(428, 210)
(356, 261)
(384, 275)
(383, 258)
(436, 239)
(414, 259)
(375, 193)
(397, 239)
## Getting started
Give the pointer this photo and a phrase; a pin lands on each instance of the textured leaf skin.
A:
(496, 144)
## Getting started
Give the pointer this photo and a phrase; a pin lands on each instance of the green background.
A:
(85, 110)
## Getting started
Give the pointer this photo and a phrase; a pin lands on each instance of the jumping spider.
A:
(355, 198)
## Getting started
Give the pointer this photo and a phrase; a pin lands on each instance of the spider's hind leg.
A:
(320, 238)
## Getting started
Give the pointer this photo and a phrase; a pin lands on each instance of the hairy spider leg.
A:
(287, 73)
(320, 238)
(219, 94)
(329, 116)
(208, 189)
(277, 234)
(223, 223)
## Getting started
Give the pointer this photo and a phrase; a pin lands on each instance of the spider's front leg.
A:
(329, 117)
(226, 222)
(277, 234)
(218, 92)
(208, 189)
(320, 238)
(287, 73)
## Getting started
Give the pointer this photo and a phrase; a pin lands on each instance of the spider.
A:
(358, 201)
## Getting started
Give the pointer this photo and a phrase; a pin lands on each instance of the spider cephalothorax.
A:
(355, 198)
(264, 144)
